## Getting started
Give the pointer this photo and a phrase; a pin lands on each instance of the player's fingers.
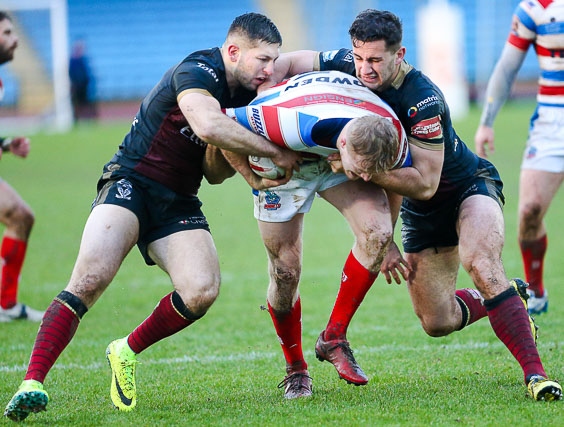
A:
(396, 276)
(386, 274)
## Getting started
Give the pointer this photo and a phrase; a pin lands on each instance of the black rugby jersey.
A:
(425, 116)
(161, 145)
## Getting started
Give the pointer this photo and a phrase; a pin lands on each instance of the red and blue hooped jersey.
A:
(540, 23)
(287, 113)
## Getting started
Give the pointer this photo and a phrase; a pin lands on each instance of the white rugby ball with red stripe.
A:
(265, 167)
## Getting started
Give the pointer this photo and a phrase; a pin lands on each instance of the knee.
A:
(374, 241)
(21, 218)
(283, 287)
(284, 275)
(530, 214)
(88, 287)
(26, 217)
(199, 297)
(436, 326)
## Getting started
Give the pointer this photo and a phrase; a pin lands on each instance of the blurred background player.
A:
(15, 214)
(82, 83)
(538, 24)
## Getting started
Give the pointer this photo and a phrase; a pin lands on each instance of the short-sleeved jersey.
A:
(307, 112)
(161, 145)
(424, 114)
(540, 23)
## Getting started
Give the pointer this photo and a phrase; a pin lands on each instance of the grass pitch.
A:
(224, 369)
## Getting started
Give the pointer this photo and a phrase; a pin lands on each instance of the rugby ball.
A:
(265, 167)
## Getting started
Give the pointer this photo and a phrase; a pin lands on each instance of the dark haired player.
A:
(147, 196)
(15, 214)
(452, 206)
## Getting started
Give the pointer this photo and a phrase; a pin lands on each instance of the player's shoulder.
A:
(339, 59)
(420, 92)
(539, 11)
(203, 69)
(205, 61)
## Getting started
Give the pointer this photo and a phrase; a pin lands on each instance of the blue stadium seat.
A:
(131, 43)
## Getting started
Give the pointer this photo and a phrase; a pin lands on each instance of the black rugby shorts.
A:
(435, 226)
(160, 211)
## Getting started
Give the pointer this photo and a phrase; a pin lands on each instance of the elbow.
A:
(425, 192)
(426, 195)
(206, 133)
(219, 178)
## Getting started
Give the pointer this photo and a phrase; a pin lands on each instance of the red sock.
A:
(532, 253)
(472, 305)
(12, 253)
(169, 316)
(57, 328)
(355, 283)
(510, 322)
(288, 327)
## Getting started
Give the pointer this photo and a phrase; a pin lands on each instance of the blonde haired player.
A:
(323, 114)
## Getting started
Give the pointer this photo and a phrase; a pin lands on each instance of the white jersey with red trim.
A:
(286, 113)
(541, 23)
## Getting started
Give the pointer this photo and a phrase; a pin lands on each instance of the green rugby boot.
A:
(122, 362)
(30, 397)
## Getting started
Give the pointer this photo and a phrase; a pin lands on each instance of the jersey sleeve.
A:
(195, 75)
(338, 60)
(425, 119)
(523, 27)
(285, 127)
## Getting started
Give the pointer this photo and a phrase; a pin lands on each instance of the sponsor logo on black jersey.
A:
(210, 70)
(189, 133)
(421, 105)
(428, 128)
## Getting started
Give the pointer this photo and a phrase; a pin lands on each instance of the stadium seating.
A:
(131, 43)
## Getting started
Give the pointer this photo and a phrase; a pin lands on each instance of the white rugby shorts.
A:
(282, 203)
(545, 144)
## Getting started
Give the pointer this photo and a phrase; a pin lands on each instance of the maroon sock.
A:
(59, 324)
(510, 322)
(356, 281)
(533, 253)
(288, 327)
(169, 316)
(472, 305)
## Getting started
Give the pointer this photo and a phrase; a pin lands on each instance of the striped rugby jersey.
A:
(288, 113)
(541, 23)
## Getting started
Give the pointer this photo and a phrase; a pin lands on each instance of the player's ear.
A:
(234, 51)
(400, 55)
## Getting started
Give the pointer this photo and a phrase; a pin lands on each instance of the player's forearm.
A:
(216, 168)
(209, 123)
(501, 80)
(224, 133)
(240, 164)
(407, 182)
